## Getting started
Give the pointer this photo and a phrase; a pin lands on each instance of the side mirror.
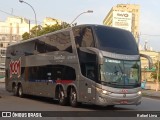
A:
(150, 62)
(98, 53)
(93, 51)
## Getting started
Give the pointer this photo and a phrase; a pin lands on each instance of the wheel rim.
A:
(14, 90)
(73, 97)
(20, 91)
(61, 96)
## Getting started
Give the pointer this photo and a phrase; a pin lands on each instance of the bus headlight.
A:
(103, 91)
(139, 92)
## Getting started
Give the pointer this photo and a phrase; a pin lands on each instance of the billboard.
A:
(122, 20)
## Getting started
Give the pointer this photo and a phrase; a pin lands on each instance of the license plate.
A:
(124, 102)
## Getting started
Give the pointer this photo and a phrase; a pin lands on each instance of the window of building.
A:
(3, 38)
(3, 52)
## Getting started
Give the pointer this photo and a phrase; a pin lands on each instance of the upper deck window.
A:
(116, 40)
(83, 37)
(55, 42)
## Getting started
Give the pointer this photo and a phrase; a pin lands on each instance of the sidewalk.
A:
(151, 93)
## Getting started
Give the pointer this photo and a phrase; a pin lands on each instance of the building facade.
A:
(125, 16)
(11, 31)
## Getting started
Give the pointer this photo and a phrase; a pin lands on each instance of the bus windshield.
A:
(120, 73)
(116, 40)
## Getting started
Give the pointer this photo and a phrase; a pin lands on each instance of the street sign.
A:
(151, 70)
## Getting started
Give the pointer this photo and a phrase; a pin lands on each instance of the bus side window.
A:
(87, 37)
(78, 36)
(90, 72)
(59, 42)
(69, 73)
(62, 72)
(40, 47)
(59, 75)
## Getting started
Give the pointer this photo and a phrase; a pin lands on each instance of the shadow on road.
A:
(84, 105)
(4, 93)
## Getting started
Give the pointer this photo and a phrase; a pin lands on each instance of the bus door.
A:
(87, 85)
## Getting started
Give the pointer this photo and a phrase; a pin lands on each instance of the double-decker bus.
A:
(92, 64)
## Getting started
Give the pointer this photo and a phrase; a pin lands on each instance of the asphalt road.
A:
(8, 102)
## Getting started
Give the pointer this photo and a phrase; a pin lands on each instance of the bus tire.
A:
(61, 96)
(110, 106)
(20, 91)
(15, 91)
(73, 98)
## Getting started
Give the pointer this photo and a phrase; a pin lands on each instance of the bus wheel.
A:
(20, 91)
(110, 106)
(73, 98)
(62, 99)
(15, 92)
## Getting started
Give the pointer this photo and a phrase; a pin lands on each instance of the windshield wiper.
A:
(111, 83)
(120, 68)
(116, 71)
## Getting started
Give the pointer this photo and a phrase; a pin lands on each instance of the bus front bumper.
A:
(118, 99)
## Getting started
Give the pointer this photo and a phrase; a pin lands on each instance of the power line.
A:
(8, 13)
(15, 15)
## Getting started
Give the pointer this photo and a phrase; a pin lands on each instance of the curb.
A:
(150, 96)
(153, 97)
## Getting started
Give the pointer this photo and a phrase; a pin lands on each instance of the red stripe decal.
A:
(64, 81)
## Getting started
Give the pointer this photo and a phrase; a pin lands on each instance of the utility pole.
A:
(21, 1)
(157, 81)
(29, 28)
(89, 11)
(138, 42)
(11, 30)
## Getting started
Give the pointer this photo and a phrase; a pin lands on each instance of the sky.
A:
(67, 10)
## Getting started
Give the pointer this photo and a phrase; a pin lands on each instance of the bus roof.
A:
(31, 39)
(89, 25)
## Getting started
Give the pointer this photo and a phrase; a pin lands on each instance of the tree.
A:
(44, 30)
(25, 36)
(154, 74)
